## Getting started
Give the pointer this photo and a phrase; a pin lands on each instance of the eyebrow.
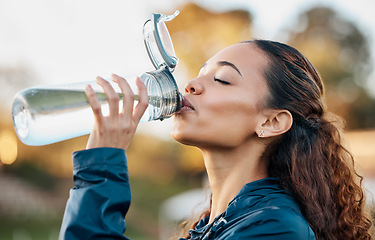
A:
(226, 63)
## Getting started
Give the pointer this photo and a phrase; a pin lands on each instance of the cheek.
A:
(235, 108)
(227, 120)
(230, 120)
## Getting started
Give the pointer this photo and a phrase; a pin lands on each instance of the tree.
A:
(340, 52)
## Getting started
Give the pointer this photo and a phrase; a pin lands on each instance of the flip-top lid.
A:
(158, 41)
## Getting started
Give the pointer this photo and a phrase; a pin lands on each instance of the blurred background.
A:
(49, 42)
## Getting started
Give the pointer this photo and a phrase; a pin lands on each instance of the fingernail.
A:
(114, 77)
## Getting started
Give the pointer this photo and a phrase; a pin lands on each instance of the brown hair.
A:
(310, 159)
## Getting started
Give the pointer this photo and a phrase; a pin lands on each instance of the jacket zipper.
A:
(215, 225)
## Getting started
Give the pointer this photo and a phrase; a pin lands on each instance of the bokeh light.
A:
(8, 147)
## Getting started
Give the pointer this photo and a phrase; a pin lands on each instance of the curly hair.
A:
(310, 159)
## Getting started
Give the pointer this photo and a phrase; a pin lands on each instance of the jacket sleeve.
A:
(98, 203)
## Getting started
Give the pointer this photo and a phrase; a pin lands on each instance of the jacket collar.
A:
(248, 197)
(251, 195)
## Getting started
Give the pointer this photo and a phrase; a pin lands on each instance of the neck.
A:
(229, 170)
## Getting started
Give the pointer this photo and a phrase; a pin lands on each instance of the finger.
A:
(128, 94)
(94, 103)
(142, 101)
(112, 96)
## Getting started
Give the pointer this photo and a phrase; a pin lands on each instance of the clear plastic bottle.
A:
(49, 114)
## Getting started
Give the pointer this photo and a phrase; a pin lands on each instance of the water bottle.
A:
(49, 114)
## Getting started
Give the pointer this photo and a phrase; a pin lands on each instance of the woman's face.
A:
(224, 101)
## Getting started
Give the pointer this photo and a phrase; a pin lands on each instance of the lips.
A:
(187, 106)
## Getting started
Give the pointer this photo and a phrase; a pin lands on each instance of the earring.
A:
(261, 133)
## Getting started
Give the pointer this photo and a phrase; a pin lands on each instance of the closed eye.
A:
(221, 81)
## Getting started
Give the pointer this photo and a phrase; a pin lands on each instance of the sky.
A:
(63, 41)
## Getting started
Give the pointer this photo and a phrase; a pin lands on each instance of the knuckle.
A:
(105, 129)
(143, 104)
(100, 131)
(112, 131)
(131, 96)
(143, 101)
(113, 98)
(96, 109)
(125, 128)
(90, 94)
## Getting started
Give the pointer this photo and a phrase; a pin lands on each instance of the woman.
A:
(274, 158)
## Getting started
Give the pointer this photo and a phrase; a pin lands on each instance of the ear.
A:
(275, 123)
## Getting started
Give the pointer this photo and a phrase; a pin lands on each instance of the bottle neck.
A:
(172, 99)
(181, 102)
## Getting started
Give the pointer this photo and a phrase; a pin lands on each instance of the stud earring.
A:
(261, 133)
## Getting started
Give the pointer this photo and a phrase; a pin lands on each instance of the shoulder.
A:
(262, 210)
(280, 219)
(272, 222)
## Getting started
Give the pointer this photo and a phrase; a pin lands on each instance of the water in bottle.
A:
(49, 114)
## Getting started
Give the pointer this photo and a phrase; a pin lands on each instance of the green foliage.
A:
(32, 174)
(30, 229)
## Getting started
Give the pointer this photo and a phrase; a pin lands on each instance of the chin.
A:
(177, 135)
(182, 137)
(178, 130)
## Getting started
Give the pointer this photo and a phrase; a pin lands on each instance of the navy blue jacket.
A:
(261, 210)
(99, 201)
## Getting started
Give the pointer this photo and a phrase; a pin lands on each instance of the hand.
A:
(117, 129)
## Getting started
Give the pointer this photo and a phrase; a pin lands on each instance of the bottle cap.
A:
(158, 41)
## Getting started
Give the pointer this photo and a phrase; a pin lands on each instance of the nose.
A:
(193, 87)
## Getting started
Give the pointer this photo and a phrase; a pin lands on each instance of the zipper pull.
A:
(218, 224)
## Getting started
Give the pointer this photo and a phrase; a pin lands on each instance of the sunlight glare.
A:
(8, 147)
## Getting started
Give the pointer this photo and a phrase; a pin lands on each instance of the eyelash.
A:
(221, 81)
